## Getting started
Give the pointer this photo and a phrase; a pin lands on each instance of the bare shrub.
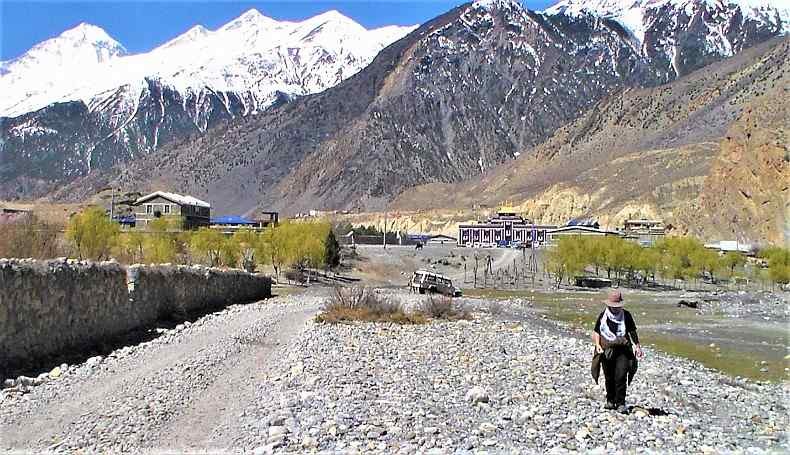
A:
(443, 307)
(26, 236)
(364, 304)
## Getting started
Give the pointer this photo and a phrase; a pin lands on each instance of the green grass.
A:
(653, 312)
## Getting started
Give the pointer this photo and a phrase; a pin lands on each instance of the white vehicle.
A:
(424, 281)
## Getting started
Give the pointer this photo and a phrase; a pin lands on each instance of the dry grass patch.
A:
(365, 305)
(443, 307)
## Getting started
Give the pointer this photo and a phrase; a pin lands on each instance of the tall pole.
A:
(385, 229)
(112, 203)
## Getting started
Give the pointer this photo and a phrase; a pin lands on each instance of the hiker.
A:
(616, 350)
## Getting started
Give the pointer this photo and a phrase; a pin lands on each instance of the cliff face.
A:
(746, 194)
(707, 153)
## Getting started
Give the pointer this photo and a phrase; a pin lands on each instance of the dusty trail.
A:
(169, 393)
(208, 421)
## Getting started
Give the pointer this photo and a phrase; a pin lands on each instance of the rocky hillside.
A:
(477, 87)
(707, 153)
(79, 102)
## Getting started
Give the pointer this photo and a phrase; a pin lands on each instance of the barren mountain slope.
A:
(682, 152)
(477, 87)
(461, 94)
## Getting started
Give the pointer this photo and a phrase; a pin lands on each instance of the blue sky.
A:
(142, 25)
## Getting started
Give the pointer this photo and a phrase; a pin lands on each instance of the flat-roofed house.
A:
(192, 212)
(643, 231)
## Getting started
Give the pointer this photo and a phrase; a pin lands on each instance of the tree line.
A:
(673, 258)
(299, 245)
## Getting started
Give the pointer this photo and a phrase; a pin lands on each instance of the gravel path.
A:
(265, 378)
(169, 393)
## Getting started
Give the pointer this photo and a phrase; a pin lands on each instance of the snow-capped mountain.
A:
(80, 102)
(253, 56)
(470, 90)
(705, 28)
(51, 65)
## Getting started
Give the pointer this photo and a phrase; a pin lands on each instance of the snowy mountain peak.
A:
(637, 16)
(88, 33)
(251, 18)
(192, 35)
(253, 57)
(333, 15)
(498, 4)
(81, 45)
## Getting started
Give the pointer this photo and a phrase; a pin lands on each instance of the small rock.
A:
(476, 395)
(275, 431)
(55, 373)
(487, 428)
(277, 420)
(582, 434)
(430, 430)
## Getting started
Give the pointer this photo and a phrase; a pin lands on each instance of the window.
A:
(149, 209)
(167, 208)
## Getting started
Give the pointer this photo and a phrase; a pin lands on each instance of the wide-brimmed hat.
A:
(615, 299)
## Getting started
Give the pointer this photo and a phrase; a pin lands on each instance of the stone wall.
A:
(52, 307)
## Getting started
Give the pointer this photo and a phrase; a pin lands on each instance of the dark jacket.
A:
(633, 337)
(595, 367)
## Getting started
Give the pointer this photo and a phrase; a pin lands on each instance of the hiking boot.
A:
(609, 405)
(622, 409)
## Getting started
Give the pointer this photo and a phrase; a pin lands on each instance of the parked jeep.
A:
(428, 282)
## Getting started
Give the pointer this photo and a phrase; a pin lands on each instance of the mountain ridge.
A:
(486, 85)
(199, 47)
(136, 103)
(687, 152)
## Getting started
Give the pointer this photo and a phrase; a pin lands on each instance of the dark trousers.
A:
(615, 370)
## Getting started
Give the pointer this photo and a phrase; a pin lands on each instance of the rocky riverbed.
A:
(506, 382)
(265, 378)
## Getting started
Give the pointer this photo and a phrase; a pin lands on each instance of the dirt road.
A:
(181, 391)
(394, 265)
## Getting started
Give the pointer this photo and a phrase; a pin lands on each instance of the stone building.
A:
(505, 228)
(192, 212)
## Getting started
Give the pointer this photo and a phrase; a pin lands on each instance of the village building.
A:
(424, 239)
(9, 215)
(643, 231)
(554, 235)
(732, 246)
(441, 239)
(192, 212)
(505, 228)
(232, 223)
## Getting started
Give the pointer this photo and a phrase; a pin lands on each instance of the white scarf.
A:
(606, 332)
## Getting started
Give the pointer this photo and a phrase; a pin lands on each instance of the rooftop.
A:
(177, 198)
